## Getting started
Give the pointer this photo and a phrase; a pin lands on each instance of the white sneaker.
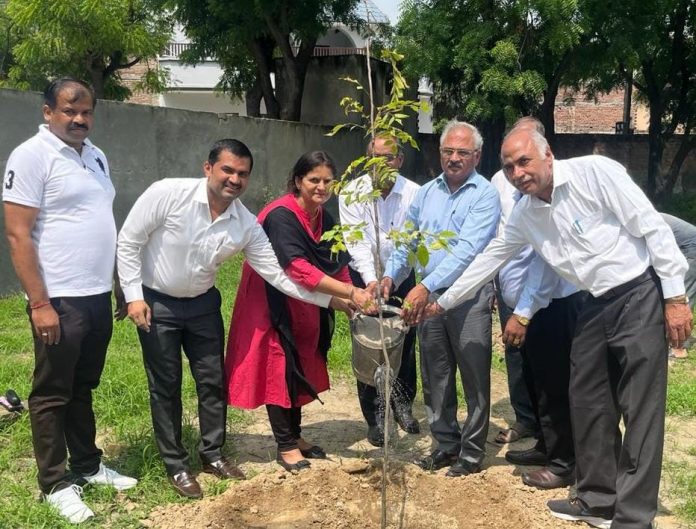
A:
(107, 476)
(69, 504)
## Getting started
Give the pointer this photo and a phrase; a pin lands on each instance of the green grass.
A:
(125, 428)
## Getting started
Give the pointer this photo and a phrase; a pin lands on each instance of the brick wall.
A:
(574, 114)
(132, 76)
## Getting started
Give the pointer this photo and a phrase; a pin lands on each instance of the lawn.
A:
(125, 431)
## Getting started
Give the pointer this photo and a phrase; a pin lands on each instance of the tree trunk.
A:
(656, 148)
(263, 59)
(253, 100)
(547, 113)
(492, 131)
(686, 145)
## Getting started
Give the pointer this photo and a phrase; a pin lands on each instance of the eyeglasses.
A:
(462, 153)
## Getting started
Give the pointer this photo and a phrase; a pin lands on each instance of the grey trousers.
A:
(460, 338)
(619, 370)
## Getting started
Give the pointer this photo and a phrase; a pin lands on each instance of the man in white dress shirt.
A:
(594, 226)
(392, 205)
(60, 227)
(176, 237)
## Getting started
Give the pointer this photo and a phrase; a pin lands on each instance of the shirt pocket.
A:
(593, 234)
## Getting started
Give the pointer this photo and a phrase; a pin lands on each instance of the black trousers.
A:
(619, 370)
(60, 402)
(547, 351)
(286, 426)
(370, 401)
(194, 325)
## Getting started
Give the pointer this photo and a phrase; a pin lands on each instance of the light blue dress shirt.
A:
(471, 212)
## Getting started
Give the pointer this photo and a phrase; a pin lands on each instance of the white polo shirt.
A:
(75, 232)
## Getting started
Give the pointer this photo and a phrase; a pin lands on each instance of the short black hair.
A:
(233, 146)
(56, 87)
(305, 164)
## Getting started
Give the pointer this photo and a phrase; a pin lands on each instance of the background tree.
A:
(651, 43)
(89, 39)
(247, 36)
(489, 61)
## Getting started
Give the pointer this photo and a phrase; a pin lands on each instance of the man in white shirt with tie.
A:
(595, 228)
(176, 237)
(392, 206)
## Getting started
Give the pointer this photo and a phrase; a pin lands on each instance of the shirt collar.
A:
(201, 196)
(473, 180)
(56, 142)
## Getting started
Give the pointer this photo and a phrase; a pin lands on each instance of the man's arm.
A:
(259, 253)
(397, 268)
(19, 223)
(354, 214)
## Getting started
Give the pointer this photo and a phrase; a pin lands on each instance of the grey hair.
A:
(538, 139)
(454, 124)
(538, 125)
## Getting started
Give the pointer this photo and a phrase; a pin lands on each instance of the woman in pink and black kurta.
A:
(276, 353)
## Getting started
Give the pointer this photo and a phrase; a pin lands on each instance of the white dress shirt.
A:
(392, 212)
(526, 282)
(170, 244)
(598, 232)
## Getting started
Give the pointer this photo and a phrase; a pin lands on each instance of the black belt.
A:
(628, 285)
(157, 293)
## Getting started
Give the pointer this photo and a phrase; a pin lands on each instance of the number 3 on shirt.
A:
(9, 181)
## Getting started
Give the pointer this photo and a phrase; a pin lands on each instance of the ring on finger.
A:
(44, 334)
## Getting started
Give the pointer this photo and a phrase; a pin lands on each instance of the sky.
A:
(389, 8)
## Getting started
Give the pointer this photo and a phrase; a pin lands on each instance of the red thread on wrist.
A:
(39, 304)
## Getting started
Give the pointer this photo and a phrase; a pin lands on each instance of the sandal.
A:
(678, 354)
(512, 434)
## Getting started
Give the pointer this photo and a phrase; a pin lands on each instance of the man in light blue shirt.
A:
(461, 201)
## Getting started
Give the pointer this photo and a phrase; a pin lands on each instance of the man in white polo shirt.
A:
(58, 198)
(594, 226)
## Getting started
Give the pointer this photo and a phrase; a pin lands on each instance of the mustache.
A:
(78, 126)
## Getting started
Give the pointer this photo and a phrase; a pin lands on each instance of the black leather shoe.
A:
(531, 456)
(545, 479)
(314, 452)
(292, 467)
(223, 469)
(437, 460)
(375, 435)
(406, 420)
(186, 485)
(462, 468)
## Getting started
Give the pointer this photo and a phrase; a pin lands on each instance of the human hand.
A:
(387, 286)
(514, 333)
(432, 309)
(371, 289)
(677, 323)
(46, 324)
(414, 304)
(343, 305)
(139, 312)
(363, 300)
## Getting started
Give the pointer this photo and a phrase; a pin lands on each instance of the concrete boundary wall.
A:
(144, 144)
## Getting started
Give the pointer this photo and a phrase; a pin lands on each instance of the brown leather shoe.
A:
(545, 479)
(186, 485)
(223, 469)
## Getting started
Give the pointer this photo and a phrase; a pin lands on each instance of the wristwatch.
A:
(521, 320)
(677, 300)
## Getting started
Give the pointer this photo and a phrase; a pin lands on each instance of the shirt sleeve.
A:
(363, 260)
(637, 214)
(259, 253)
(475, 233)
(483, 268)
(25, 178)
(541, 281)
(147, 214)
(304, 274)
(397, 267)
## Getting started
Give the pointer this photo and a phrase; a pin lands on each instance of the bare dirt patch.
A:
(343, 492)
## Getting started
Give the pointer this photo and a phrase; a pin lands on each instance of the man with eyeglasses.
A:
(461, 201)
(594, 227)
(396, 196)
